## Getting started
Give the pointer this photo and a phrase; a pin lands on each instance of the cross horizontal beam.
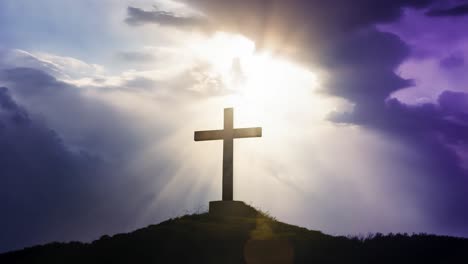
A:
(220, 134)
(209, 135)
(248, 132)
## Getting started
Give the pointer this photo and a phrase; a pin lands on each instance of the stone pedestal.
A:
(231, 208)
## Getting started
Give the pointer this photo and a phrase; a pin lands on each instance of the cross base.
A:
(231, 208)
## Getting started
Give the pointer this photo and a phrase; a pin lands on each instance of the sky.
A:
(363, 104)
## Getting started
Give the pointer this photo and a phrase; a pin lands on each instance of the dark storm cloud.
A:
(433, 130)
(10, 110)
(307, 28)
(31, 81)
(363, 72)
(452, 62)
(36, 168)
(39, 90)
(340, 37)
(51, 190)
(460, 10)
(454, 103)
(137, 16)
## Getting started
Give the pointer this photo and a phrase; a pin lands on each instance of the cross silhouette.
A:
(228, 134)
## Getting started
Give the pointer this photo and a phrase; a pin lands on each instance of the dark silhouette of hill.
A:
(204, 238)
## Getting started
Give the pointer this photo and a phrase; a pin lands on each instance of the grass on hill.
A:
(203, 238)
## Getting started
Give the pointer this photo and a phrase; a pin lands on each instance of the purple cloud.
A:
(460, 10)
(452, 62)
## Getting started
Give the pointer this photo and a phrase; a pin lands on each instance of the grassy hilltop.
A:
(204, 238)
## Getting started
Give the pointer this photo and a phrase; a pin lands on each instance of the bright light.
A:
(261, 87)
(222, 49)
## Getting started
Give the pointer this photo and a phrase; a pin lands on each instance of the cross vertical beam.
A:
(228, 134)
(228, 153)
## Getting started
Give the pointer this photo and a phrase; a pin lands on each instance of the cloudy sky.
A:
(363, 104)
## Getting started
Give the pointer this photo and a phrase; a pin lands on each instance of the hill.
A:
(205, 238)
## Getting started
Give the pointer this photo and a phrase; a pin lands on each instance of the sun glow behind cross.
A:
(259, 85)
(267, 91)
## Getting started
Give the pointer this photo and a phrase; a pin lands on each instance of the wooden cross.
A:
(228, 134)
